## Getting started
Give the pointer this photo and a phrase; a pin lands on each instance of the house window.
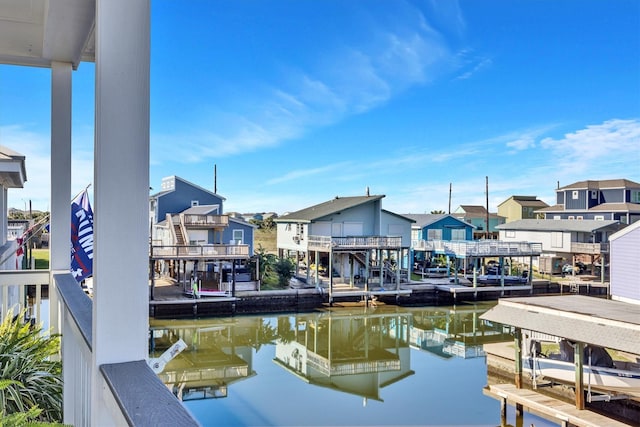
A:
(599, 217)
(300, 230)
(594, 194)
(434, 234)
(635, 196)
(556, 239)
(458, 234)
(574, 195)
(287, 227)
(510, 233)
(195, 203)
(557, 217)
(238, 237)
(571, 217)
(579, 217)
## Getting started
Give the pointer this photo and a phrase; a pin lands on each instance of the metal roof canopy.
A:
(611, 324)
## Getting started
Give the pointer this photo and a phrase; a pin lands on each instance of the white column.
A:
(60, 221)
(60, 238)
(121, 189)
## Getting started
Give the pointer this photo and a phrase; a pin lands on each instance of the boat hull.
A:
(606, 379)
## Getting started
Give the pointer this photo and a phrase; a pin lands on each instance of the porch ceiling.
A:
(38, 32)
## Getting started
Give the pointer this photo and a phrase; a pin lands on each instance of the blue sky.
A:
(297, 102)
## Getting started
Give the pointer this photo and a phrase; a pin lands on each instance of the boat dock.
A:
(547, 407)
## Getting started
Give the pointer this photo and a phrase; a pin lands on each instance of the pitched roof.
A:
(399, 215)
(531, 201)
(163, 192)
(601, 184)
(604, 207)
(474, 209)
(201, 209)
(424, 220)
(584, 226)
(327, 208)
(627, 229)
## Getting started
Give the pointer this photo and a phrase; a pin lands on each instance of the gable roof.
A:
(327, 208)
(201, 209)
(601, 184)
(474, 211)
(603, 207)
(424, 220)
(571, 225)
(529, 201)
(163, 192)
(624, 231)
(405, 217)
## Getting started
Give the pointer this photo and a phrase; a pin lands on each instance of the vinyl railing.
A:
(190, 220)
(134, 395)
(371, 242)
(222, 251)
(479, 247)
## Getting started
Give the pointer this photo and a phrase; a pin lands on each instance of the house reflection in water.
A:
(457, 331)
(350, 352)
(219, 353)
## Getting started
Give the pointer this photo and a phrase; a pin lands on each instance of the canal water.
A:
(344, 366)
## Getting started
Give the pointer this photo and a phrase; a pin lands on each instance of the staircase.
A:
(179, 237)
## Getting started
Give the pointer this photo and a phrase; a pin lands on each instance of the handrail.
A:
(204, 220)
(480, 247)
(327, 242)
(200, 251)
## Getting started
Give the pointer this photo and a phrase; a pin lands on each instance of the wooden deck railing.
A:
(354, 242)
(206, 221)
(216, 251)
(589, 248)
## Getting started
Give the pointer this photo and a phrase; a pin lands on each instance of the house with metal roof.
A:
(610, 199)
(562, 238)
(624, 248)
(521, 207)
(352, 240)
(479, 217)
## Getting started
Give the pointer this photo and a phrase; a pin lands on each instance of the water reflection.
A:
(355, 351)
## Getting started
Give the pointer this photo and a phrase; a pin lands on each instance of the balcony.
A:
(478, 248)
(204, 221)
(589, 248)
(133, 393)
(200, 252)
(326, 243)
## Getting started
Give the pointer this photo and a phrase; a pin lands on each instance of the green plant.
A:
(30, 378)
(285, 268)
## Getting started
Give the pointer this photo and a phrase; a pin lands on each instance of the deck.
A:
(478, 248)
(549, 407)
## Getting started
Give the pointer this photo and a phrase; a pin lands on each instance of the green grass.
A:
(42, 258)
(266, 239)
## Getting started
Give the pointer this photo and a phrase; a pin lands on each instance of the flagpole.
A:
(81, 191)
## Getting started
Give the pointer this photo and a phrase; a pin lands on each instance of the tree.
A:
(285, 269)
(438, 211)
(265, 262)
(29, 378)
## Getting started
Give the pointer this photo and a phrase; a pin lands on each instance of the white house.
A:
(625, 259)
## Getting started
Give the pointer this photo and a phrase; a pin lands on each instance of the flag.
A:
(81, 237)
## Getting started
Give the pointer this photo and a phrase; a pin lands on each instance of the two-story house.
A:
(191, 236)
(521, 207)
(351, 238)
(478, 217)
(562, 240)
(611, 199)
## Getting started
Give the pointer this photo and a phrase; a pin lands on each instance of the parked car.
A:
(578, 268)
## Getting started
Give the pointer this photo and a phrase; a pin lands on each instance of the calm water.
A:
(383, 366)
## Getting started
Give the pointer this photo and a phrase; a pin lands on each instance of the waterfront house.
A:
(624, 247)
(521, 207)
(107, 380)
(610, 199)
(13, 174)
(348, 239)
(478, 217)
(562, 240)
(432, 227)
(192, 238)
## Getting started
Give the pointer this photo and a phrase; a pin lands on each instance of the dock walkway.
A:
(550, 408)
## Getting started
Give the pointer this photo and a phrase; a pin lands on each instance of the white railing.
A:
(466, 248)
(200, 251)
(190, 220)
(353, 242)
(149, 403)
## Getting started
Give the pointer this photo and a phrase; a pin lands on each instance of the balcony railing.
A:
(589, 248)
(134, 395)
(221, 251)
(205, 221)
(354, 242)
(467, 248)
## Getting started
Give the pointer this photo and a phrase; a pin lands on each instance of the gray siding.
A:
(579, 203)
(624, 265)
(247, 230)
(180, 199)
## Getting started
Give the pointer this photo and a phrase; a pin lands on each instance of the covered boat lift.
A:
(581, 319)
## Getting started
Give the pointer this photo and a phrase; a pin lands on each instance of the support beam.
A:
(518, 357)
(121, 179)
(578, 357)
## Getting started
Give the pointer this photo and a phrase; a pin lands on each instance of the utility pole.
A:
(449, 198)
(487, 193)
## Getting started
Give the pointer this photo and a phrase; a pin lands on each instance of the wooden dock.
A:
(547, 407)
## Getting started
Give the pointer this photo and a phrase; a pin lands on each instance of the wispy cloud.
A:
(475, 68)
(344, 81)
(306, 173)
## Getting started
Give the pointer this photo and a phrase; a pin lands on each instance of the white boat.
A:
(615, 376)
